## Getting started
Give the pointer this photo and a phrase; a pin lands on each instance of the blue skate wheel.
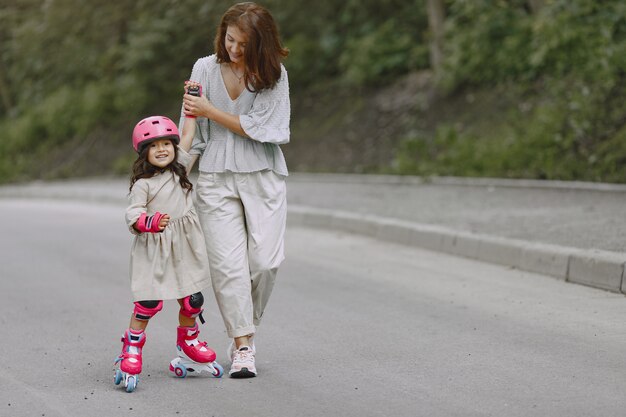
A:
(180, 370)
(131, 384)
(118, 377)
(219, 371)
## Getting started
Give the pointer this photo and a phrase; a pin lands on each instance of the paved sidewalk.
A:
(581, 215)
(571, 230)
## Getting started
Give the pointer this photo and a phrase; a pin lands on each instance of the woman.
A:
(243, 115)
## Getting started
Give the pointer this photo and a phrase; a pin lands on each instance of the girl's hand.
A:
(189, 84)
(148, 224)
(165, 220)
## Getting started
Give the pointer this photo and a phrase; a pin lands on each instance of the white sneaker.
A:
(243, 365)
(231, 347)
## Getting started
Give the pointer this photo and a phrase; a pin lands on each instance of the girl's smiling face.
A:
(161, 153)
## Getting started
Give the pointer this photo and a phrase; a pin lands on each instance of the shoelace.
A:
(241, 355)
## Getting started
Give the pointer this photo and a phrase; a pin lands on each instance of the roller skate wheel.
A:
(131, 383)
(180, 370)
(119, 375)
(218, 370)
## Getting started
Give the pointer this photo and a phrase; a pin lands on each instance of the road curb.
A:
(374, 179)
(593, 268)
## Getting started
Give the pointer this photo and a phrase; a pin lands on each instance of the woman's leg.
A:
(222, 217)
(264, 198)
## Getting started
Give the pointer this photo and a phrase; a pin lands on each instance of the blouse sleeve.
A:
(138, 201)
(201, 136)
(268, 120)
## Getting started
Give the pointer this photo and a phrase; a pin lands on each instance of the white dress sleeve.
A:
(201, 136)
(268, 120)
(138, 201)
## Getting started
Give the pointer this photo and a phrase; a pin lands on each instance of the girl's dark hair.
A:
(144, 169)
(264, 50)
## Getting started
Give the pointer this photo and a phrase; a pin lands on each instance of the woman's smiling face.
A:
(235, 42)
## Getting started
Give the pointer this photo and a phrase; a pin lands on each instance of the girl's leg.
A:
(187, 332)
(143, 312)
(134, 338)
(185, 320)
(138, 325)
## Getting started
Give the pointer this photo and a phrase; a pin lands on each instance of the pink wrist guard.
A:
(197, 92)
(149, 224)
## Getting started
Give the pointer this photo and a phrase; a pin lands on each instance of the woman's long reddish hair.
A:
(264, 50)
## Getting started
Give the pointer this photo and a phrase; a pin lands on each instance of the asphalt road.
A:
(356, 327)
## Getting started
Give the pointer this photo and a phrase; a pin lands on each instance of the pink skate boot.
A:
(193, 356)
(130, 359)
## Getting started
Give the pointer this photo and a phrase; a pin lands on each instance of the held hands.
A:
(195, 105)
(152, 224)
(192, 88)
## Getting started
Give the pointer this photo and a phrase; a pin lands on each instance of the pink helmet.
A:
(153, 128)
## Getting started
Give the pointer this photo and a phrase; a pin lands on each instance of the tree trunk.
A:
(5, 94)
(436, 16)
(535, 5)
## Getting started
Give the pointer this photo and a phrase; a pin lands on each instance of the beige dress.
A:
(172, 264)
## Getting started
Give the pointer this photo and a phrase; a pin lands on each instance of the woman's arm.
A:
(267, 122)
(202, 107)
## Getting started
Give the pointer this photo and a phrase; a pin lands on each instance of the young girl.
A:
(168, 258)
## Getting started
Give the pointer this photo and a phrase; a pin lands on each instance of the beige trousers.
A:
(243, 217)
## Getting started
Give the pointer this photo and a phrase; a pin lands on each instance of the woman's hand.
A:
(196, 106)
(202, 107)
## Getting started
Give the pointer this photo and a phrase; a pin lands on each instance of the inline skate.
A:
(194, 357)
(130, 360)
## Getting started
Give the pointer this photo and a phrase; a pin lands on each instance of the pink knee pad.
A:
(146, 313)
(192, 306)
